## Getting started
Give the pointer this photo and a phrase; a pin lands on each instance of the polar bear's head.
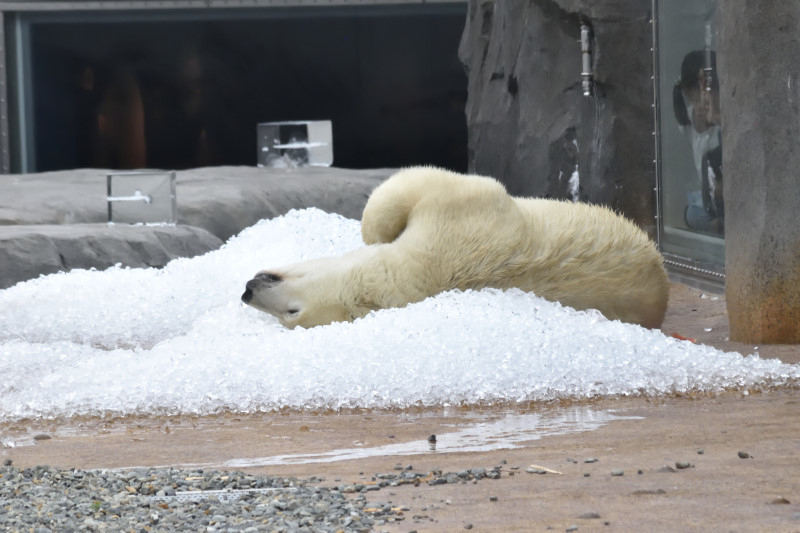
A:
(306, 294)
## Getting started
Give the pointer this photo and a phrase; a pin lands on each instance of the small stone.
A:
(701, 451)
(780, 501)
(586, 474)
(467, 526)
(744, 455)
(591, 515)
(7, 462)
(682, 465)
(572, 528)
(640, 471)
(617, 472)
(649, 492)
(42, 436)
(492, 498)
(590, 460)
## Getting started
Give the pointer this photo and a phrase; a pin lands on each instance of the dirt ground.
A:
(718, 490)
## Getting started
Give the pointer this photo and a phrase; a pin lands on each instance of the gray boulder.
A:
(221, 200)
(759, 95)
(529, 123)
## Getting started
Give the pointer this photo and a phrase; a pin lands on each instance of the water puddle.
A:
(507, 432)
(231, 441)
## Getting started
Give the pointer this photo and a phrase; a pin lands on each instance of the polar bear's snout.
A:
(260, 281)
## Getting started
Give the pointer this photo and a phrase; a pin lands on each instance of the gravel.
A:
(45, 499)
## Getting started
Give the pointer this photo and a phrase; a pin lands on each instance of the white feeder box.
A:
(295, 144)
(143, 197)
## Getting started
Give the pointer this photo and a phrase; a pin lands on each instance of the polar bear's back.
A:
(467, 232)
(588, 257)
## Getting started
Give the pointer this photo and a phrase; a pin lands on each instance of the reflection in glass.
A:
(691, 176)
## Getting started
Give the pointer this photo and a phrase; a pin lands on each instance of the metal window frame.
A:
(684, 269)
(104, 5)
(5, 155)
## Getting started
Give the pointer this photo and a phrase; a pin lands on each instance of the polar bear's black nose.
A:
(247, 296)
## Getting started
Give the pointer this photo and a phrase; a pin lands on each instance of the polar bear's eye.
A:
(292, 311)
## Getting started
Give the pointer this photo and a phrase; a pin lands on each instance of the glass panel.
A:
(141, 197)
(182, 89)
(692, 211)
(295, 144)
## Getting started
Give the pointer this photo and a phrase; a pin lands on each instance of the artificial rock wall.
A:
(759, 64)
(529, 124)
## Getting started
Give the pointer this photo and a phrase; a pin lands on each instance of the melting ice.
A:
(178, 341)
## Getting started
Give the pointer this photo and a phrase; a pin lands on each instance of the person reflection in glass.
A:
(696, 105)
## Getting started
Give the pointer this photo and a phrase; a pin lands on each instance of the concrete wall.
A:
(529, 124)
(759, 63)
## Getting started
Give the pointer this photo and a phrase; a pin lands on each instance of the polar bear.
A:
(429, 230)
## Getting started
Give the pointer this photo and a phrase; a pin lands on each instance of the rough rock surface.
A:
(528, 121)
(57, 220)
(29, 251)
(759, 96)
(222, 200)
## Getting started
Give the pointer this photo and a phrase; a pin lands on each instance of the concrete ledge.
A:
(27, 252)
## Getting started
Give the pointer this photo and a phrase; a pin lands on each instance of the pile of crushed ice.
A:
(178, 340)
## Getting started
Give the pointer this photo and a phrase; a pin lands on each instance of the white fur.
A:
(429, 230)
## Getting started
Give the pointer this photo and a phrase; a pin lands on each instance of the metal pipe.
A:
(135, 197)
(586, 56)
